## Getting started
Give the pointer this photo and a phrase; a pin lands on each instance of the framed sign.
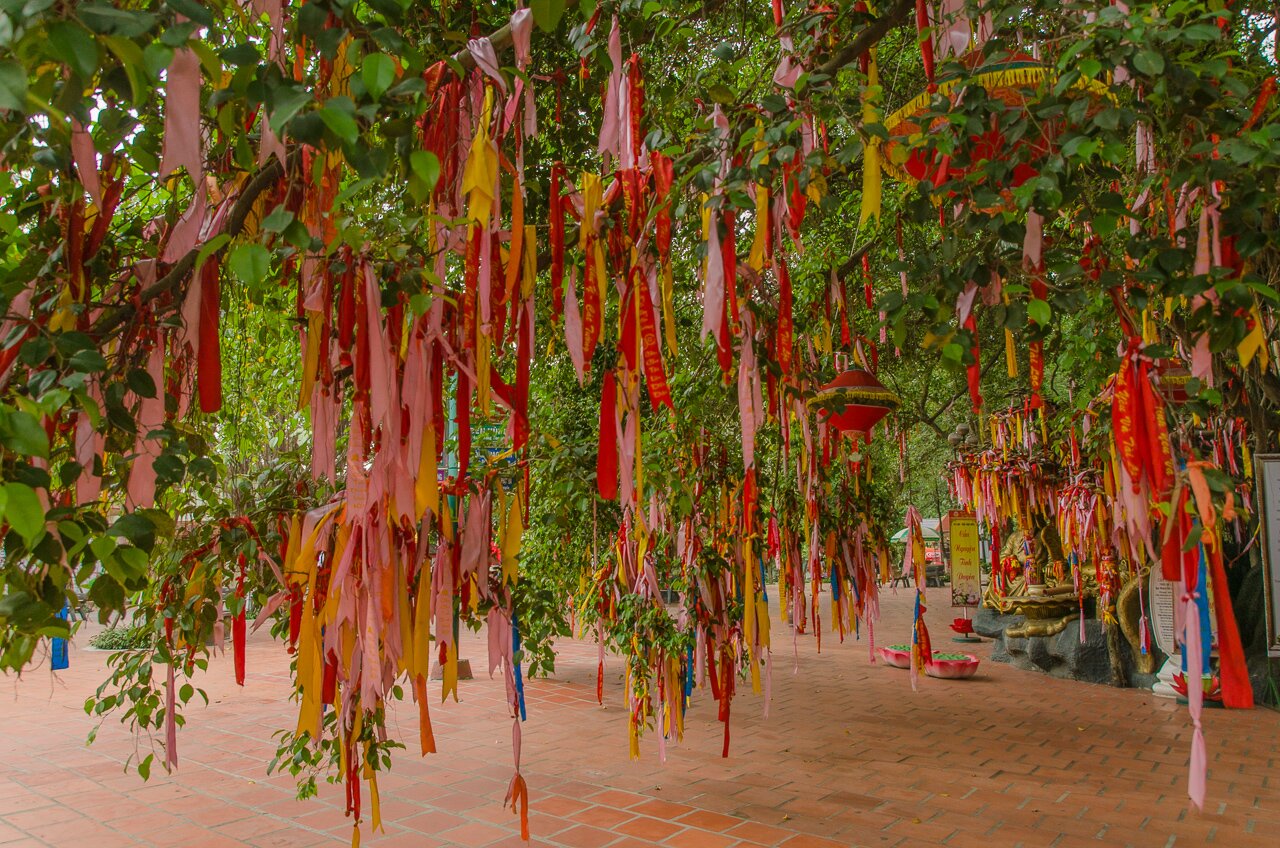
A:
(1267, 478)
(966, 561)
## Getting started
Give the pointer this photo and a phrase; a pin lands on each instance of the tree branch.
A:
(181, 271)
(867, 38)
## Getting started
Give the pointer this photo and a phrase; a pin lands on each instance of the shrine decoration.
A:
(1010, 79)
(853, 403)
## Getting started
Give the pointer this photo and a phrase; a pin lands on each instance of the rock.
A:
(1038, 652)
(1088, 661)
(1061, 655)
(991, 624)
(1250, 606)
(1264, 672)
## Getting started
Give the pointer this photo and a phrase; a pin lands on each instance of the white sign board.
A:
(1161, 597)
(1267, 478)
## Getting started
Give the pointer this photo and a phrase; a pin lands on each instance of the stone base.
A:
(987, 622)
(1062, 655)
(464, 671)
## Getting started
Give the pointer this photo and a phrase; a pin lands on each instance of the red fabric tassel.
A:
(463, 420)
(663, 176)
(607, 458)
(556, 222)
(591, 306)
(329, 683)
(655, 375)
(524, 357)
(729, 255)
(238, 633)
(295, 616)
(926, 42)
(1126, 421)
(784, 340)
(1159, 452)
(973, 373)
(209, 363)
(1237, 691)
(629, 344)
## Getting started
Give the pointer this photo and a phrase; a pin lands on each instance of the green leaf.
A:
(1039, 311)
(89, 361)
(286, 102)
(1149, 62)
(25, 436)
(210, 247)
(425, 174)
(279, 219)
(547, 13)
(250, 263)
(137, 529)
(13, 86)
(23, 511)
(1200, 32)
(108, 20)
(131, 59)
(193, 10)
(378, 73)
(72, 45)
(338, 116)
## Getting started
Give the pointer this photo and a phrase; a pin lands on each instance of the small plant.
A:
(121, 639)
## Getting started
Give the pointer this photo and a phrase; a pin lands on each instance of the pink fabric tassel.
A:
(1195, 699)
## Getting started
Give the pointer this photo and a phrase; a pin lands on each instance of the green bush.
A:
(121, 639)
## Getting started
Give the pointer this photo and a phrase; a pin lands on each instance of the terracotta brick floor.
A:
(849, 755)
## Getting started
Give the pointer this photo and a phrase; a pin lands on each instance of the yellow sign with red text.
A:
(966, 561)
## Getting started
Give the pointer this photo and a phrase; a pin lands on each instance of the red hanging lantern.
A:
(854, 402)
(1171, 381)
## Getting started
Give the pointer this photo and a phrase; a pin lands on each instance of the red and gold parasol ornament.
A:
(853, 402)
(1171, 381)
(1011, 80)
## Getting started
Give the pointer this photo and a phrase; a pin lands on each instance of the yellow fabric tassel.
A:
(311, 359)
(668, 308)
(871, 188)
(1254, 344)
(480, 176)
(426, 489)
(749, 612)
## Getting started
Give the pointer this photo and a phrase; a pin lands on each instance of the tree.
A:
(635, 267)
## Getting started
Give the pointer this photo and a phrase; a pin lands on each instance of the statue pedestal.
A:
(1163, 687)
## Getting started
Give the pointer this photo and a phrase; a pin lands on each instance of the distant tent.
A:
(929, 526)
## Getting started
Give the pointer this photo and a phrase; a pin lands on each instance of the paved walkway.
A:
(848, 756)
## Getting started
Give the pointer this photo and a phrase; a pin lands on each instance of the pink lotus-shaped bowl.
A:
(951, 666)
(896, 656)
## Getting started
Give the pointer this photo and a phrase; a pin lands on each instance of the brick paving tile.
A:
(710, 821)
(603, 817)
(585, 836)
(653, 830)
(849, 756)
(662, 809)
(474, 835)
(699, 839)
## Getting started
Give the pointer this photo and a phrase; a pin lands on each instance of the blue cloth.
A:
(59, 658)
(515, 663)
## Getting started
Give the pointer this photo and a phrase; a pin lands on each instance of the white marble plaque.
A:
(1162, 595)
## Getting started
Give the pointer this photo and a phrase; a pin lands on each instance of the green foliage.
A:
(121, 639)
